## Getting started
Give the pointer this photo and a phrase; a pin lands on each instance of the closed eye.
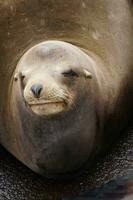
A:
(23, 80)
(19, 75)
(70, 73)
(22, 77)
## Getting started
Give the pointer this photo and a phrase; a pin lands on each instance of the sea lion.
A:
(50, 91)
(67, 74)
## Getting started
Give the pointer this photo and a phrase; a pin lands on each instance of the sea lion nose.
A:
(36, 89)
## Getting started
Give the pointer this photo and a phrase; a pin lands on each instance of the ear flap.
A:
(16, 76)
(87, 74)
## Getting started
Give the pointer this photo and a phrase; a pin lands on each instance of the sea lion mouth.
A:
(47, 108)
(46, 102)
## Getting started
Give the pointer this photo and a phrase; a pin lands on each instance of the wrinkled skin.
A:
(58, 144)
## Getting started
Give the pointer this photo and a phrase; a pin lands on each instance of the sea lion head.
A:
(52, 75)
(53, 93)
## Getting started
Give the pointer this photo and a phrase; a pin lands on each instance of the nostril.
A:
(36, 89)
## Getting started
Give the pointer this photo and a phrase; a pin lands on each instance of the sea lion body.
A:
(97, 37)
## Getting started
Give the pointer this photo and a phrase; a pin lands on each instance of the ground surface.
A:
(17, 182)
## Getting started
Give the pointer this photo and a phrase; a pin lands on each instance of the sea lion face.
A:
(52, 75)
